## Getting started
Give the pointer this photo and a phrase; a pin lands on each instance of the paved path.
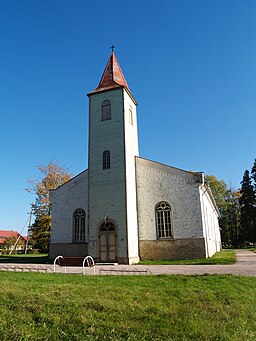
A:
(244, 266)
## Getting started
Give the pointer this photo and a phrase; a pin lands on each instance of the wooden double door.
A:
(108, 242)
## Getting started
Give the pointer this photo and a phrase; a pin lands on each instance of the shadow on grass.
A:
(26, 259)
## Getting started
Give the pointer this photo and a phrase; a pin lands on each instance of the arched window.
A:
(106, 159)
(106, 110)
(107, 226)
(79, 226)
(163, 220)
(130, 115)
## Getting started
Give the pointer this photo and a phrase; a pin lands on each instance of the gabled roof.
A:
(112, 77)
(7, 234)
(69, 181)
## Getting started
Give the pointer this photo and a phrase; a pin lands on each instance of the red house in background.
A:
(8, 239)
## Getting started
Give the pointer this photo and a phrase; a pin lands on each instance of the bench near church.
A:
(73, 262)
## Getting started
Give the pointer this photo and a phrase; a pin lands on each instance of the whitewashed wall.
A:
(157, 182)
(65, 200)
(131, 150)
(107, 187)
(210, 221)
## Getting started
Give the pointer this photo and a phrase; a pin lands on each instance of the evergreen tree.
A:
(248, 209)
(253, 175)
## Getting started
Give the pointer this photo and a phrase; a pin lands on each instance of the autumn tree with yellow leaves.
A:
(52, 176)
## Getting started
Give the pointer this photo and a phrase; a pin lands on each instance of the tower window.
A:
(130, 115)
(79, 226)
(163, 220)
(106, 159)
(106, 110)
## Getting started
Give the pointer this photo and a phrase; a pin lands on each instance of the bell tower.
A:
(113, 145)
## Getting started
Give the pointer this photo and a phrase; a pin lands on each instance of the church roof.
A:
(112, 76)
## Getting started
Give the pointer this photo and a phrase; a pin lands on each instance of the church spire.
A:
(112, 76)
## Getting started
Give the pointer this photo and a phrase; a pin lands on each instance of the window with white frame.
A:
(79, 226)
(106, 110)
(163, 220)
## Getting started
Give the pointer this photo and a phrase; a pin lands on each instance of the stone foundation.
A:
(172, 249)
(68, 250)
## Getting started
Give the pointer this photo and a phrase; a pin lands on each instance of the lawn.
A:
(226, 256)
(37, 306)
(28, 258)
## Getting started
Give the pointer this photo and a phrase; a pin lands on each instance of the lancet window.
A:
(79, 226)
(163, 220)
(106, 110)
(106, 159)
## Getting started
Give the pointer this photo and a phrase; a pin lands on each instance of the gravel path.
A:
(244, 266)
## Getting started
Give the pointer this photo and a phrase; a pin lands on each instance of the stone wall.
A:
(172, 249)
(68, 250)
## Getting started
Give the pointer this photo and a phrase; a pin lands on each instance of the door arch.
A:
(107, 242)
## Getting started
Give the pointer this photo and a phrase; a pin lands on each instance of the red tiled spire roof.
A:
(112, 76)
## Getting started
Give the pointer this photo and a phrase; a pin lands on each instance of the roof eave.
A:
(98, 90)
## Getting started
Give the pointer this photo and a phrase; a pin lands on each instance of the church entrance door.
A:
(107, 244)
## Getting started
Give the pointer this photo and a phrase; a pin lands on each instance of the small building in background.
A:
(12, 240)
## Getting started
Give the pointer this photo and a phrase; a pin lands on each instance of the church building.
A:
(124, 208)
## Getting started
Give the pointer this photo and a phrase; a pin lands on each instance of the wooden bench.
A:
(74, 262)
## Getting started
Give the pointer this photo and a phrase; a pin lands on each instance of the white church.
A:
(124, 208)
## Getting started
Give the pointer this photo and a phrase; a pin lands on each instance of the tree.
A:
(248, 209)
(228, 204)
(9, 242)
(232, 218)
(54, 176)
(220, 193)
(253, 175)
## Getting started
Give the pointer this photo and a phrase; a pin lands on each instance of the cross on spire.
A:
(112, 76)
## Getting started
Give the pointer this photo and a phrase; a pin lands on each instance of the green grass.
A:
(226, 256)
(28, 258)
(36, 306)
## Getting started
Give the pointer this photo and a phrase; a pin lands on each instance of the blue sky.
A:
(191, 65)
